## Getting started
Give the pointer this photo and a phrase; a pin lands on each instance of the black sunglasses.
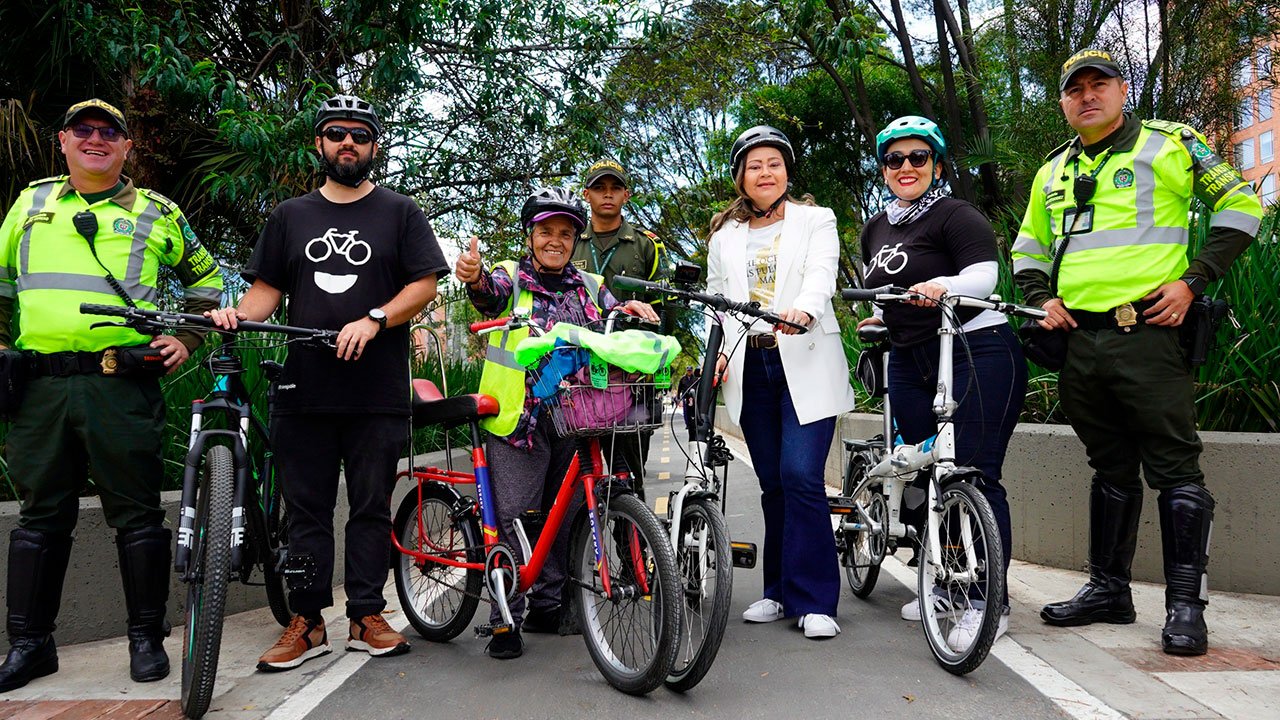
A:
(337, 133)
(918, 158)
(109, 133)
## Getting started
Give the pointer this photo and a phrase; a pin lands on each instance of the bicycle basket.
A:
(628, 402)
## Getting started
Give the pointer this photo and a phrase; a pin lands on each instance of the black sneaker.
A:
(542, 620)
(506, 646)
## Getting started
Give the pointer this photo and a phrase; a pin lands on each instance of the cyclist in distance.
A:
(527, 458)
(92, 236)
(932, 244)
(786, 389)
(362, 259)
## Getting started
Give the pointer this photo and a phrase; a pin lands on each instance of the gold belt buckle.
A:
(109, 362)
(1126, 315)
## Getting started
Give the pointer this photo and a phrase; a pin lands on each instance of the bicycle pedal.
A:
(494, 629)
(841, 505)
(744, 554)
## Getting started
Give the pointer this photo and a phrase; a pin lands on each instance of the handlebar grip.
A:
(1026, 311)
(868, 294)
(630, 284)
(486, 324)
(96, 309)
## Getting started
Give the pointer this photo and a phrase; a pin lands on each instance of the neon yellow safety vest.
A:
(502, 377)
(49, 268)
(1141, 213)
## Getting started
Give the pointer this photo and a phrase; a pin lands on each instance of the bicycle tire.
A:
(276, 536)
(963, 503)
(704, 556)
(438, 599)
(207, 593)
(862, 551)
(639, 663)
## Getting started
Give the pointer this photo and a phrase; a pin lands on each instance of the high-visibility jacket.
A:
(50, 268)
(502, 377)
(1141, 213)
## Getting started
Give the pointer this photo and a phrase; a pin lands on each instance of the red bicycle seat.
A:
(431, 407)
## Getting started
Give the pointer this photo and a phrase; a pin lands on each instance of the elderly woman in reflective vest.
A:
(527, 460)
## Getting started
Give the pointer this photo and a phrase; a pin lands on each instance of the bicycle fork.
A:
(198, 441)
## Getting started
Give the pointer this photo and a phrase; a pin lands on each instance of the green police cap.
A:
(602, 168)
(95, 105)
(1088, 58)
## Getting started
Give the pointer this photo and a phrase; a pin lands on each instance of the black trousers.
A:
(71, 427)
(310, 449)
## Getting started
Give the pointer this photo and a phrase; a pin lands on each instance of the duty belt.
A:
(1123, 318)
(65, 364)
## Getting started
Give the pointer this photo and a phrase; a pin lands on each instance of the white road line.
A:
(1064, 692)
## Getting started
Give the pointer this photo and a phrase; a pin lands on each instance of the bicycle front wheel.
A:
(970, 575)
(633, 632)
(706, 584)
(210, 575)
(438, 599)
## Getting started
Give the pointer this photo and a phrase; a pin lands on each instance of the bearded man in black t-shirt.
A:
(362, 260)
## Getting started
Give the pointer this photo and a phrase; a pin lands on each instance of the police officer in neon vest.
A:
(1103, 248)
(91, 236)
(527, 459)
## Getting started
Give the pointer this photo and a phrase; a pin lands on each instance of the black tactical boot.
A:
(1186, 520)
(37, 567)
(1113, 537)
(144, 568)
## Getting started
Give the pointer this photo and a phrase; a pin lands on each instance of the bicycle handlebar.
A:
(486, 324)
(892, 293)
(718, 303)
(139, 318)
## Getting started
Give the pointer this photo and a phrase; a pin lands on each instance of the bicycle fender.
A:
(962, 474)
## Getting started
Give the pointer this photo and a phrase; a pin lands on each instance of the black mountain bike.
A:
(232, 523)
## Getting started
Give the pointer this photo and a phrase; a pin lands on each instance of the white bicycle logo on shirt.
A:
(888, 256)
(319, 249)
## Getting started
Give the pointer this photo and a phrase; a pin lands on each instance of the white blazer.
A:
(814, 362)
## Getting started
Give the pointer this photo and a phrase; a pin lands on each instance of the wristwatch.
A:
(379, 317)
(1197, 284)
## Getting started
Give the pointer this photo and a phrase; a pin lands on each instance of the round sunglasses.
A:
(918, 158)
(338, 133)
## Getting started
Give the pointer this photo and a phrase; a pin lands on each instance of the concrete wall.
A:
(93, 599)
(1047, 477)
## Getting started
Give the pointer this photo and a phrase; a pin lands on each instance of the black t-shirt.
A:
(951, 236)
(335, 262)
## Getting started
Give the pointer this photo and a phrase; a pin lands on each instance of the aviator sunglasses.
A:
(918, 158)
(337, 133)
(109, 133)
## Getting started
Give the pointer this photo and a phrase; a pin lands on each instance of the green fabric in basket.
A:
(632, 350)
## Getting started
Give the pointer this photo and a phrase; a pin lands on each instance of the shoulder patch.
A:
(1168, 127)
(1058, 150)
(651, 236)
(167, 206)
(46, 181)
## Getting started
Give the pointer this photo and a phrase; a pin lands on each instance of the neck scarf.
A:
(899, 215)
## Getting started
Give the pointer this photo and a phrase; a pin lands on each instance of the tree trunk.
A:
(951, 100)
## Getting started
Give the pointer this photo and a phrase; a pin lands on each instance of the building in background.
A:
(1257, 130)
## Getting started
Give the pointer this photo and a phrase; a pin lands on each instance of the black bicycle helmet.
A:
(756, 136)
(348, 107)
(551, 200)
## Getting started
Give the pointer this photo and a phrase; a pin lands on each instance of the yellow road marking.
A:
(666, 458)
(660, 506)
(664, 476)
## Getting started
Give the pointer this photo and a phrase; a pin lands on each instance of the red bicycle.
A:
(622, 570)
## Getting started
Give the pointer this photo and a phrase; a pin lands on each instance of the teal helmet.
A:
(911, 126)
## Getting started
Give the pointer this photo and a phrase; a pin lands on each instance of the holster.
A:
(1046, 348)
(13, 382)
(1200, 328)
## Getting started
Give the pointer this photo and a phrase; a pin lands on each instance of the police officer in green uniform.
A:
(1103, 248)
(611, 246)
(91, 236)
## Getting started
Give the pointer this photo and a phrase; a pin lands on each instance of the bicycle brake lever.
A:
(108, 324)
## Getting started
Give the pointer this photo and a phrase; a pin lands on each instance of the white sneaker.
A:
(763, 611)
(941, 604)
(964, 633)
(817, 626)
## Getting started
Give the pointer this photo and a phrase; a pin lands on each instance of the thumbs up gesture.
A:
(468, 268)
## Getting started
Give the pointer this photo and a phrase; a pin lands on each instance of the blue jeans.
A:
(990, 393)
(800, 566)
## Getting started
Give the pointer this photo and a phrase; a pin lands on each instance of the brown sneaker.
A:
(373, 635)
(301, 641)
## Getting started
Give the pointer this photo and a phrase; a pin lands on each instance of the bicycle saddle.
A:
(873, 334)
(431, 407)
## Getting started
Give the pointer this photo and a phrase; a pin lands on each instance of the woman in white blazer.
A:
(782, 387)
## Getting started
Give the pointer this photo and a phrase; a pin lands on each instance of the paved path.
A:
(878, 667)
